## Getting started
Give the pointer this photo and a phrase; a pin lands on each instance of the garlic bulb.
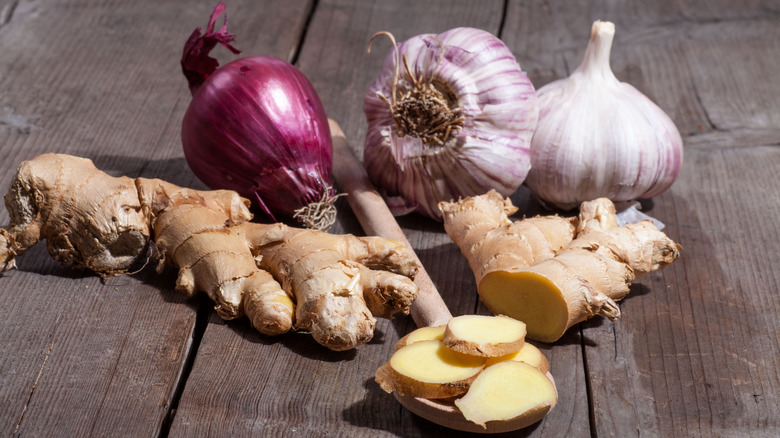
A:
(599, 137)
(450, 115)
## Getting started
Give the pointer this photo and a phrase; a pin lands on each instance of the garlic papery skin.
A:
(599, 137)
(450, 115)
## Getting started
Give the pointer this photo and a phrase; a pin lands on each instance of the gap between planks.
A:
(191, 348)
(35, 385)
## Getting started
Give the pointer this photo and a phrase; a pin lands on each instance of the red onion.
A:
(257, 126)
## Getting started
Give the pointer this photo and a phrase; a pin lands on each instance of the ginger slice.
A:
(428, 369)
(422, 334)
(528, 354)
(509, 392)
(487, 336)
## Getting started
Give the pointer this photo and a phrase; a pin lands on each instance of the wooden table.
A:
(695, 354)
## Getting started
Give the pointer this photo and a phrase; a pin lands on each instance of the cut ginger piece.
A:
(528, 354)
(422, 334)
(430, 370)
(576, 269)
(509, 391)
(486, 336)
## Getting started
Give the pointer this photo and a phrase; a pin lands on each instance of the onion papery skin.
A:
(599, 137)
(498, 106)
(257, 126)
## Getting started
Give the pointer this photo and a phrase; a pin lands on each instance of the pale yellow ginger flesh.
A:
(487, 336)
(425, 366)
(422, 334)
(280, 277)
(567, 282)
(428, 369)
(529, 297)
(528, 354)
(508, 391)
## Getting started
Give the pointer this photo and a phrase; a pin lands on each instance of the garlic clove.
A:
(599, 137)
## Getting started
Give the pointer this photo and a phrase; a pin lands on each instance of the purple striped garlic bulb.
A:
(450, 115)
(599, 137)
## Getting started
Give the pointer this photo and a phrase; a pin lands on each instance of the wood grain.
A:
(81, 356)
(101, 80)
(695, 353)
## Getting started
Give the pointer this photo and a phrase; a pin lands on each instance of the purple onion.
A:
(257, 126)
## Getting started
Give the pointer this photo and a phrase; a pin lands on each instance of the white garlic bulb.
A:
(599, 137)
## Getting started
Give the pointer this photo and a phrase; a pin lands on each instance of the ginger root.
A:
(570, 277)
(279, 277)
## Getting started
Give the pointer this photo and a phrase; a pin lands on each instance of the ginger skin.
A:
(279, 277)
(565, 283)
(490, 241)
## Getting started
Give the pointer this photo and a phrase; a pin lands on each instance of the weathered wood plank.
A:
(80, 356)
(695, 351)
(83, 358)
(100, 79)
(693, 354)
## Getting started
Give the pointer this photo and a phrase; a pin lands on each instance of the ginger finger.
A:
(650, 250)
(386, 293)
(268, 307)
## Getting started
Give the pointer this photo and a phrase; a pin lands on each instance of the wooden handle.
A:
(375, 218)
